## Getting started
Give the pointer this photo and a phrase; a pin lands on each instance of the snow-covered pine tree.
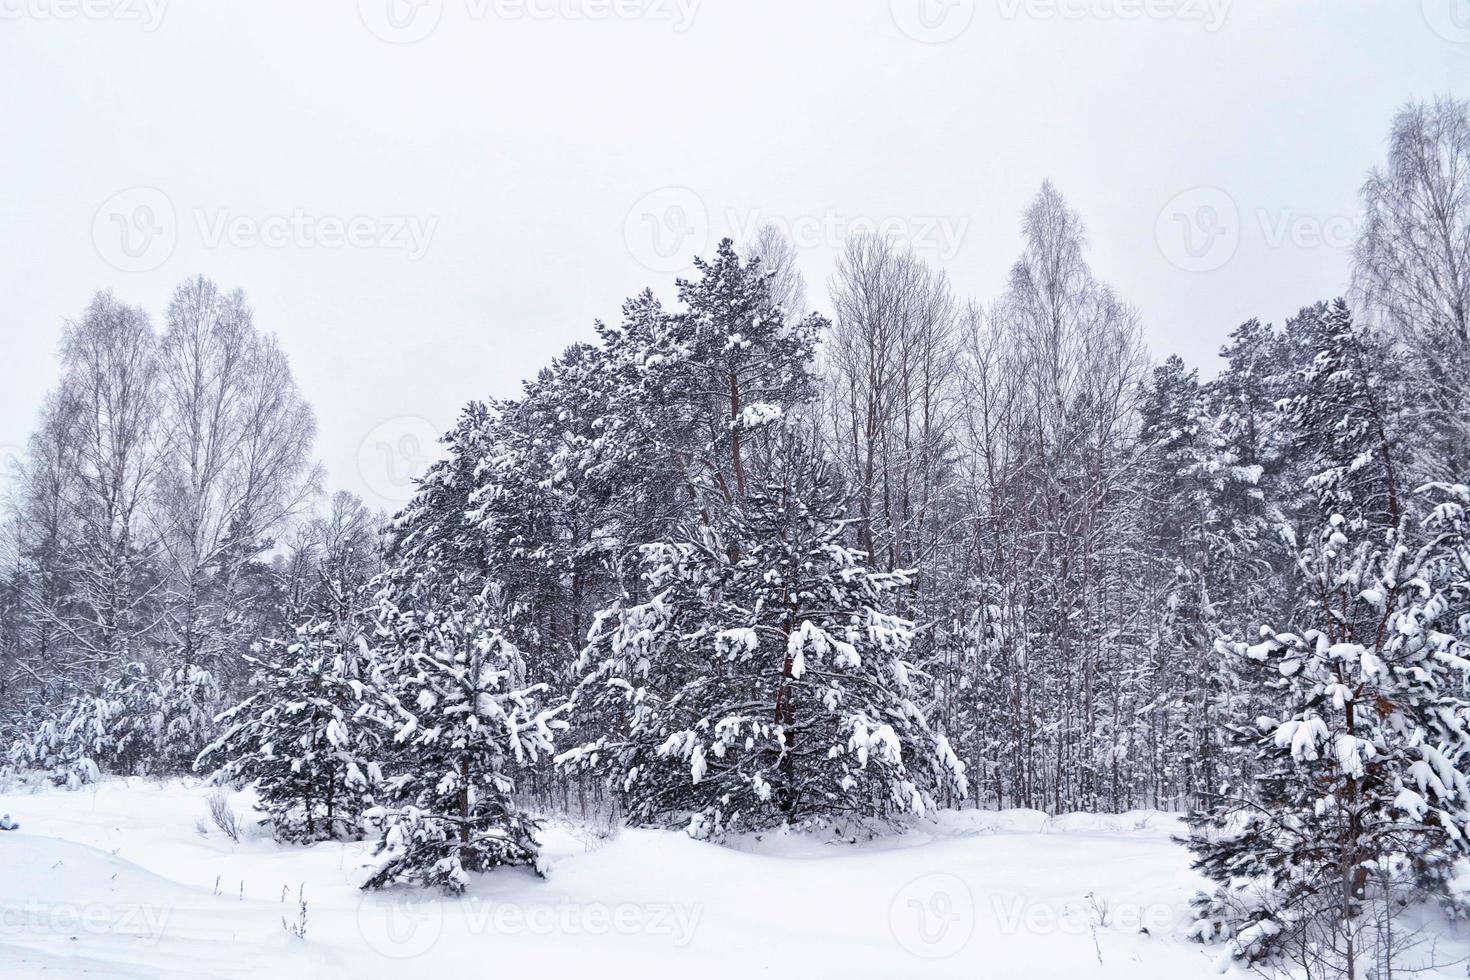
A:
(466, 720)
(543, 507)
(70, 743)
(431, 547)
(1342, 416)
(137, 721)
(696, 382)
(1198, 538)
(307, 738)
(1252, 434)
(171, 713)
(1362, 797)
(1182, 535)
(1243, 395)
(762, 681)
(1330, 718)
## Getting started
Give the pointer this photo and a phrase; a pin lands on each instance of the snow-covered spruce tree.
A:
(1252, 432)
(1186, 534)
(171, 712)
(1362, 798)
(543, 510)
(686, 383)
(1344, 420)
(308, 737)
(68, 742)
(138, 721)
(761, 682)
(466, 720)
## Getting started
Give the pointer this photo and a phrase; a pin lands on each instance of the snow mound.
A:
(73, 910)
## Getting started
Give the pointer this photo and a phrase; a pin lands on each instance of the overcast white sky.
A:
(509, 170)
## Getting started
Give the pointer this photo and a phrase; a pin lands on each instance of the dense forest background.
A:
(1078, 523)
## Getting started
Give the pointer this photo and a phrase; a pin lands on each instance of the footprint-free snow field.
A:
(130, 878)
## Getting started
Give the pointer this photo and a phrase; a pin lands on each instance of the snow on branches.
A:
(307, 738)
(465, 720)
(762, 681)
(1361, 744)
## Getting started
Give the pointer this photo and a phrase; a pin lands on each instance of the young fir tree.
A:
(466, 720)
(1361, 799)
(71, 742)
(1184, 533)
(762, 682)
(172, 714)
(1353, 724)
(1242, 400)
(307, 738)
(1341, 416)
(139, 721)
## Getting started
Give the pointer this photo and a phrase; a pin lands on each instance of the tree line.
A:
(732, 564)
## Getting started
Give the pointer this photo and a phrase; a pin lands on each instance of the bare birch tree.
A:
(890, 373)
(1413, 265)
(234, 464)
(778, 258)
(1050, 430)
(109, 372)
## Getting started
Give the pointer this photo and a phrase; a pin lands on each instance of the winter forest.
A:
(821, 561)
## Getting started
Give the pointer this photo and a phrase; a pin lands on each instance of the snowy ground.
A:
(117, 880)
